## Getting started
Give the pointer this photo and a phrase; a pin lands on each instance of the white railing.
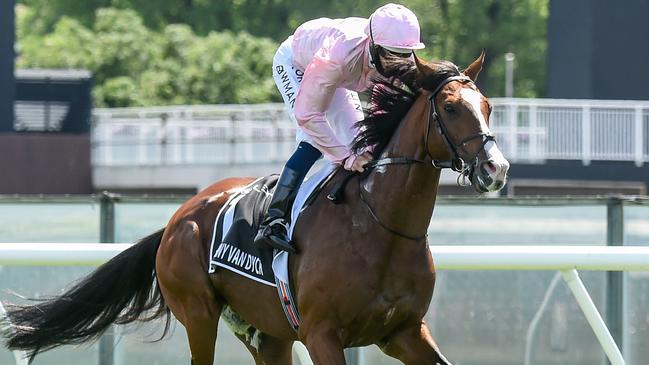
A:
(528, 130)
(566, 259)
(535, 130)
(221, 134)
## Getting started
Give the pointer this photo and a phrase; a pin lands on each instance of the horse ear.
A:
(424, 71)
(475, 67)
(423, 67)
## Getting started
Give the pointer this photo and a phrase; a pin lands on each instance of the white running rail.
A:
(566, 259)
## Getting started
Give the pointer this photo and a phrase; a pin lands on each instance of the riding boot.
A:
(274, 229)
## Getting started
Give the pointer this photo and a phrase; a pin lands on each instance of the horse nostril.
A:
(489, 168)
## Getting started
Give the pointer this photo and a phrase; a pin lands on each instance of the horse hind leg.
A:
(265, 349)
(271, 351)
(199, 314)
(201, 333)
(188, 291)
(414, 346)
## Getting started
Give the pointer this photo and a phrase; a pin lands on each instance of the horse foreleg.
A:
(415, 346)
(324, 347)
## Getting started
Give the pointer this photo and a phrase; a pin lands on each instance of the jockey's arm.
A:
(321, 79)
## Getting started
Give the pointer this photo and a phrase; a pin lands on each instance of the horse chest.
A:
(408, 275)
(408, 296)
(366, 293)
(391, 300)
(381, 317)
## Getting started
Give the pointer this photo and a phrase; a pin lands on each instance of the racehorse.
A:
(363, 275)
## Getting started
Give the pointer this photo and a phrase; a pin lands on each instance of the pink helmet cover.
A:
(395, 26)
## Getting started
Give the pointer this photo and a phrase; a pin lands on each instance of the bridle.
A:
(456, 163)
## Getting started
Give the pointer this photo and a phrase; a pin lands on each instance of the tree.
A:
(462, 28)
(70, 45)
(134, 65)
(206, 51)
(265, 18)
(457, 30)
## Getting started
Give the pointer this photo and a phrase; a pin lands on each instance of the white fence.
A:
(566, 259)
(534, 130)
(224, 134)
(528, 130)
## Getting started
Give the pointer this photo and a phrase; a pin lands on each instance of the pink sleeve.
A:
(321, 79)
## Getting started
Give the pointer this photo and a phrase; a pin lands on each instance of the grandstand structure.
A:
(45, 146)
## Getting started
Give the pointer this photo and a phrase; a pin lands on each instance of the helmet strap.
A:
(375, 53)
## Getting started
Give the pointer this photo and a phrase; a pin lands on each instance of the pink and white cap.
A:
(395, 28)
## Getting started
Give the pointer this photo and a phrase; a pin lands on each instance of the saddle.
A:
(235, 226)
(237, 222)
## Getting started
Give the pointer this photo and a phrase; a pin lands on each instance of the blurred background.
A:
(112, 112)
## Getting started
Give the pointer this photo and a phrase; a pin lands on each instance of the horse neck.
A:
(403, 196)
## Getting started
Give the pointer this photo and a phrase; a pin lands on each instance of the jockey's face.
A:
(385, 58)
(388, 55)
(397, 54)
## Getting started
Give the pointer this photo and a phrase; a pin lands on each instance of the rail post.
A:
(107, 235)
(164, 140)
(615, 279)
(585, 135)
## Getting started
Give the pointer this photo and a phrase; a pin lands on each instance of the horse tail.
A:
(119, 291)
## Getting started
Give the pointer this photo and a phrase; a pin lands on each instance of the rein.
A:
(456, 163)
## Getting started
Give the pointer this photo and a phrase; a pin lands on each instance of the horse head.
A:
(459, 113)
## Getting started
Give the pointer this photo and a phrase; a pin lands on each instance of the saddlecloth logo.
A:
(242, 260)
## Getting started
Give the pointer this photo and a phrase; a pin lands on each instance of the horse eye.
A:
(449, 109)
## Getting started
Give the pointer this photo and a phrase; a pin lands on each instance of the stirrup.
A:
(267, 236)
(280, 244)
(276, 235)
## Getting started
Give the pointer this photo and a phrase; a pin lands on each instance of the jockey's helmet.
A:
(395, 28)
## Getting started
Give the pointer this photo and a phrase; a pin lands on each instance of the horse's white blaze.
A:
(474, 98)
(498, 161)
(494, 154)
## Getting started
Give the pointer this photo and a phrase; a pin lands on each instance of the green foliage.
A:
(457, 30)
(499, 26)
(267, 18)
(208, 51)
(70, 45)
(134, 65)
(118, 91)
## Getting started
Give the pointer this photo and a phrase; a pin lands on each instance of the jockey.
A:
(319, 70)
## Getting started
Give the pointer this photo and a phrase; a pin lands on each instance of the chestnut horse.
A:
(364, 274)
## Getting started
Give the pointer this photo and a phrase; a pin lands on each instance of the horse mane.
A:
(392, 97)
